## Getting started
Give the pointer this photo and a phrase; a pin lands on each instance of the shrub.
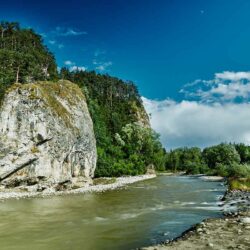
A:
(239, 171)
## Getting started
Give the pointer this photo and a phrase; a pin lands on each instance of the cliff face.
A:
(46, 135)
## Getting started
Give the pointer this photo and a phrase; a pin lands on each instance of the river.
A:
(142, 214)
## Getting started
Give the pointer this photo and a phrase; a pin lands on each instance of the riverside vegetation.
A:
(228, 160)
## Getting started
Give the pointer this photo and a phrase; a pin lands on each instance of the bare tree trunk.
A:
(17, 168)
(46, 71)
(17, 74)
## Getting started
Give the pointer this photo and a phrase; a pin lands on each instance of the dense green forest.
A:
(229, 160)
(125, 142)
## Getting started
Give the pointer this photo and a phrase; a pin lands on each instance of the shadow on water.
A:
(142, 214)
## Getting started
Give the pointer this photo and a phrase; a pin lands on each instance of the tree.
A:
(221, 154)
(23, 56)
(244, 152)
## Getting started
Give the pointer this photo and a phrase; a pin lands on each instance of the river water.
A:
(142, 214)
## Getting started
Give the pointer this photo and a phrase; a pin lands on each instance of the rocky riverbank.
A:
(231, 232)
(109, 184)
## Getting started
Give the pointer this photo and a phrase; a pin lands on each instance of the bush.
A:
(223, 153)
(239, 171)
(234, 170)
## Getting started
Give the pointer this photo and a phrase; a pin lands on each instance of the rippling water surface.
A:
(144, 213)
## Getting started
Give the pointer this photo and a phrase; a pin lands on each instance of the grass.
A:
(242, 184)
(34, 150)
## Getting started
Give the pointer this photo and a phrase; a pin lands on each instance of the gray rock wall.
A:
(46, 132)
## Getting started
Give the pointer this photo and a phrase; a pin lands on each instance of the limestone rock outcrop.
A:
(46, 134)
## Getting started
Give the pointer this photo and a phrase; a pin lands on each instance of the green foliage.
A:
(234, 170)
(23, 57)
(228, 160)
(185, 159)
(244, 152)
(222, 153)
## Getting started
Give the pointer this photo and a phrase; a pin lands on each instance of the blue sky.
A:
(161, 45)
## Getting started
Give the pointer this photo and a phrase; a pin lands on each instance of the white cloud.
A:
(68, 62)
(77, 68)
(190, 123)
(100, 62)
(215, 111)
(233, 76)
(102, 66)
(63, 31)
(225, 87)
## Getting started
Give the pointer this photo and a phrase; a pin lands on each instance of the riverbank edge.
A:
(100, 188)
(193, 231)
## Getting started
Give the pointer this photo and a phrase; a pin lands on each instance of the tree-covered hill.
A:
(23, 56)
(125, 142)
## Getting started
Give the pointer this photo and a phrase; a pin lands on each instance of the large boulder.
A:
(46, 132)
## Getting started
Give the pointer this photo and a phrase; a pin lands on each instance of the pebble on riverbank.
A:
(120, 182)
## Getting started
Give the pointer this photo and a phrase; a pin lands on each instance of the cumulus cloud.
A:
(225, 87)
(214, 111)
(190, 123)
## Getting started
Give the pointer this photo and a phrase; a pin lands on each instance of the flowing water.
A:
(142, 214)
